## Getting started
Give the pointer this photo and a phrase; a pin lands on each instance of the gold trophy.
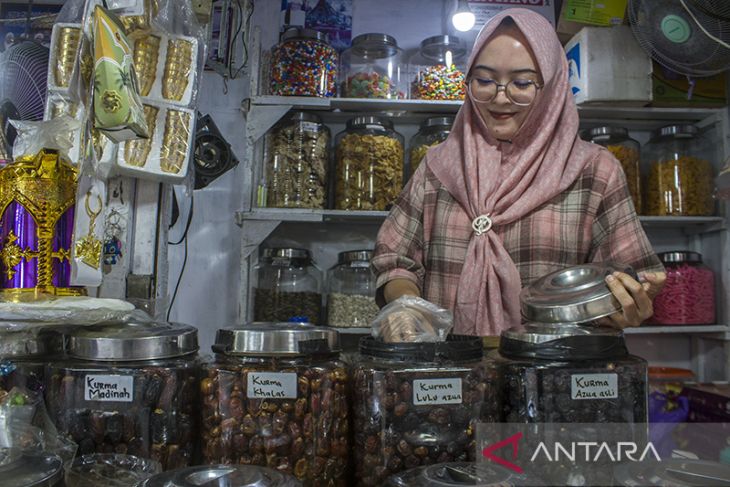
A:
(67, 45)
(175, 141)
(177, 68)
(136, 151)
(146, 52)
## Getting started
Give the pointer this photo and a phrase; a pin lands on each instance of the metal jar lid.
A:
(287, 257)
(304, 117)
(566, 341)
(350, 256)
(601, 133)
(674, 472)
(456, 474)
(366, 121)
(301, 33)
(222, 475)
(433, 47)
(375, 46)
(680, 256)
(576, 294)
(277, 339)
(26, 469)
(129, 341)
(437, 122)
(686, 131)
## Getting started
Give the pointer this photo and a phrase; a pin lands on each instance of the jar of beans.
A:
(436, 71)
(432, 131)
(418, 404)
(626, 150)
(276, 396)
(297, 159)
(351, 290)
(688, 295)
(303, 64)
(369, 164)
(373, 67)
(678, 174)
(289, 286)
(128, 388)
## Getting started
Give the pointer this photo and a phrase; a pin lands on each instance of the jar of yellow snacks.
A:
(432, 131)
(369, 164)
(679, 179)
(626, 150)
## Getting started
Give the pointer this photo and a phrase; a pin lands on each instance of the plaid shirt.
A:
(425, 237)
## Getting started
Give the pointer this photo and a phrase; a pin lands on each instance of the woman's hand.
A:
(635, 297)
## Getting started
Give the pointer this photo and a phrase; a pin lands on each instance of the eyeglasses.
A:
(519, 91)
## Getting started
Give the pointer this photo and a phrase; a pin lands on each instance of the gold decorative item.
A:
(67, 46)
(88, 248)
(137, 26)
(137, 151)
(146, 51)
(175, 141)
(177, 68)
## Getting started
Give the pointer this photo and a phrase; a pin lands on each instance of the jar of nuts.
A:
(432, 131)
(297, 158)
(369, 164)
(417, 404)
(128, 388)
(276, 396)
(626, 150)
(679, 176)
(351, 290)
(289, 286)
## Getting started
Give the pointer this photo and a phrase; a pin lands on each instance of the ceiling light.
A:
(463, 19)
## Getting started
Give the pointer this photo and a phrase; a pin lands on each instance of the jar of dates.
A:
(30, 469)
(688, 295)
(128, 387)
(276, 396)
(432, 131)
(304, 64)
(369, 164)
(373, 67)
(222, 476)
(417, 404)
(289, 287)
(437, 70)
(351, 290)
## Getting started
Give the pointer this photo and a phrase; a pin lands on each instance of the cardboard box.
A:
(709, 401)
(669, 89)
(576, 14)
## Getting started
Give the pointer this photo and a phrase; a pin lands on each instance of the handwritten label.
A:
(594, 386)
(436, 391)
(109, 388)
(272, 385)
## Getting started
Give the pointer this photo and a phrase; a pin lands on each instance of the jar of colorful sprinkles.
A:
(437, 70)
(304, 64)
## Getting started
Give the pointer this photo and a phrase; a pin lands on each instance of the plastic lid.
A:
(375, 46)
(285, 253)
(275, 339)
(672, 471)
(222, 476)
(456, 348)
(128, 341)
(304, 117)
(563, 342)
(28, 469)
(301, 33)
(679, 256)
(455, 474)
(366, 120)
(437, 122)
(670, 373)
(686, 131)
(434, 47)
(350, 256)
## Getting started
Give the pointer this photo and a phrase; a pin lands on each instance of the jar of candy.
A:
(351, 290)
(432, 131)
(297, 158)
(626, 150)
(437, 70)
(371, 68)
(679, 178)
(289, 286)
(688, 295)
(369, 164)
(304, 64)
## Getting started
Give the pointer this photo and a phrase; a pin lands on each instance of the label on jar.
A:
(272, 385)
(310, 126)
(594, 386)
(436, 391)
(109, 388)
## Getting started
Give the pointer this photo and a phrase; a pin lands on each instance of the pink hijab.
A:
(507, 181)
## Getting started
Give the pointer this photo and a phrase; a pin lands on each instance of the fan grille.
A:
(23, 69)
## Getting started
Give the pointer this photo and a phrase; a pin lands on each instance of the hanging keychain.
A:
(86, 253)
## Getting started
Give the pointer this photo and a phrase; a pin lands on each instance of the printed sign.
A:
(436, 391)
(272, 385)
(109, 388)
(594, 386)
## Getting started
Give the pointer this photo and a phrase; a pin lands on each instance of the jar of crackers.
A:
(431, 132)
(626, 150)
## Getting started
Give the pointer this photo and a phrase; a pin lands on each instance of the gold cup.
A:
(63, 107)
(175, 141)
(67, 45)
(146, 51)
(177, 68)
(136, 151)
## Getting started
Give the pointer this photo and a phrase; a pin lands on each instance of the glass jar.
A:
(276, 395)
(351, 290)
(688, 295)
(219, 475)
(453, 474)
(110, 470)
(437, 70)
(371, 68)
(297, 160)
(289, 286)
(128, 388)
(30, 469)
(24, 353)
(369, 164)
(626, 150)
(431, 132)
(303, 64)
(418, 403)
(679, 179)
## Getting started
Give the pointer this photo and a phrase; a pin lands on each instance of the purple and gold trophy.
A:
(37, 197)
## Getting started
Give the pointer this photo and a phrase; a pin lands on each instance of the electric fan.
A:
(690, 37)
(23, 69)
(212, 155)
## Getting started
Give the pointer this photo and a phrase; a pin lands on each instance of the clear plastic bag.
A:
(56, 134)
(412, 319)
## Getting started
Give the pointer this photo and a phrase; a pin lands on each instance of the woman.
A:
(513, 194)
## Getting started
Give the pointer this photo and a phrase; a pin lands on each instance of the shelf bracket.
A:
(260, 118)
(253, 233)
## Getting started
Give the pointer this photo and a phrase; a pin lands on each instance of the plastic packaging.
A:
(688, 295)
(351, 290)
(431, 132)
(437, 70)
(32, 312)
(33, 137)
(371, 68)
(412, 319)
(304, 64)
